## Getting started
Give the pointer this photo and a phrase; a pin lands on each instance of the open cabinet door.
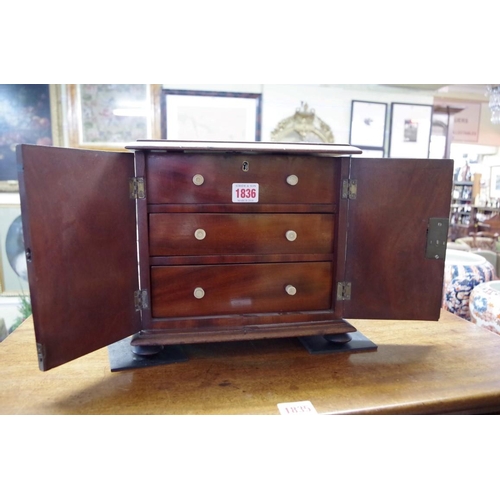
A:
(392, 275)
(79, 225)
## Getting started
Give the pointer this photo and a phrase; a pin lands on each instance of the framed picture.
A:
(25, 117)
(109, 116)
(495, 182)
(410, 133)
(368, 122)
(211, 116)
(13, 268)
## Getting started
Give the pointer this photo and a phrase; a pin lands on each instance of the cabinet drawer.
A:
(214, 234)
(207, 179)
(181, 291)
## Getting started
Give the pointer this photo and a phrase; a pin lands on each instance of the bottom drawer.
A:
(181, 291)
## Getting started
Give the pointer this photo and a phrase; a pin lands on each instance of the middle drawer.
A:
(219, 234)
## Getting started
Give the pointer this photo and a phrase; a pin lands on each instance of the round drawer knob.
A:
(291, 235)
(290, 289)
(199, 293)
(200, 234)
(198, 180)
(292, 180)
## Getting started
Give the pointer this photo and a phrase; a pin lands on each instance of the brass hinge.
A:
(141, 300)
(343, 290)
(137, 190)
(40, 351)
(349, 189)
(437, 237)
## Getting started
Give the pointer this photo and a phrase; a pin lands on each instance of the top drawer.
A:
(208, 178)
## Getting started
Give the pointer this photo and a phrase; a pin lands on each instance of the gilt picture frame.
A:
(410, 130)
(110, 116)
(211, 116)
(368, 124)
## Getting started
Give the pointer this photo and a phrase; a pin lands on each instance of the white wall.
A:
(489, 134)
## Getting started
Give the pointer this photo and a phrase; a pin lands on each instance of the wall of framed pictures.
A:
(408, 134)
(333, 103)
(107, 116)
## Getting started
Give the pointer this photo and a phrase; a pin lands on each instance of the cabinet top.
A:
(246, 147)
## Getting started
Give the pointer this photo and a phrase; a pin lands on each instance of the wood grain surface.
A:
(450, 366)
(80, 231)
(174, 234)
(387, 237)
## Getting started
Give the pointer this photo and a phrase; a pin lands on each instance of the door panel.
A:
(386, 263)
(80, 231)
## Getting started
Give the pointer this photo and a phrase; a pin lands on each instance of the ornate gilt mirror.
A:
(303, 126)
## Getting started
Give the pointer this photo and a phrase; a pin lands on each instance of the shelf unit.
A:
(465, 217)
(461, 216)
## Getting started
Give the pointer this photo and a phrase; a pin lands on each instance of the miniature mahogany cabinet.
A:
(182, 242)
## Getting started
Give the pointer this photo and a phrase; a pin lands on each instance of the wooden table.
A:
(449, 366)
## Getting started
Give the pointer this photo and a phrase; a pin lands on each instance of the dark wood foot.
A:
(343, 342)
(146, 350)
(123, 356)
(341, 338)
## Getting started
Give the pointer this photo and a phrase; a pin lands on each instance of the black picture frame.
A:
(410, 130)
(221, 116)
(368, 124)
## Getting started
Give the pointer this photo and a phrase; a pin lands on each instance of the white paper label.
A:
(245, 193)
(298, 408)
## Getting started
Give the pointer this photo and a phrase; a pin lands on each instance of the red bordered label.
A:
(245, 193)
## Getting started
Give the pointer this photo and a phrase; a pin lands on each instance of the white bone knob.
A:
(200, 234)
(198, 180)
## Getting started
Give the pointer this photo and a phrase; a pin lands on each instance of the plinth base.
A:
(122, 357)
(318, 344)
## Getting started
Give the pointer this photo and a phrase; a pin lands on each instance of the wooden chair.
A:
(481, 241)
(491, 225)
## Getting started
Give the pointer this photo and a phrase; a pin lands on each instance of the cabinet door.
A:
(386, 263)
(80, 238)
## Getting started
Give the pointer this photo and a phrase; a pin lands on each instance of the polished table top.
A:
(449, 366)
